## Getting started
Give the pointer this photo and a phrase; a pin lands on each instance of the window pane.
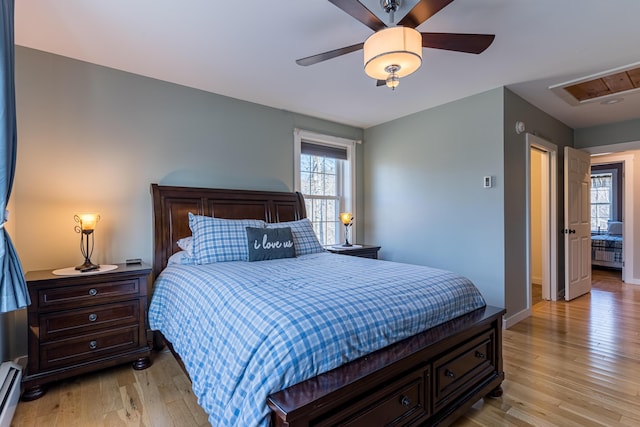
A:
(601, 201)
(330, 187)
(324, 214)
(321, 186)
(305, 182)
(305, 163)
(330, 166)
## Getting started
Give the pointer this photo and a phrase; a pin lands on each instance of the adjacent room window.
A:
(603, 198)
(325, 171)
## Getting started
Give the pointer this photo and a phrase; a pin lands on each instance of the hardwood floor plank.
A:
(571, 364)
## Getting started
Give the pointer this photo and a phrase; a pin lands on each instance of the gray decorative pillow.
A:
(274, 243)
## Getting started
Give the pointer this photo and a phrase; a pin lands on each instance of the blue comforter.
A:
(248, 329)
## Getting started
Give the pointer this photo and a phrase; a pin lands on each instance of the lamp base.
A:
(346, 245)
(87, 266)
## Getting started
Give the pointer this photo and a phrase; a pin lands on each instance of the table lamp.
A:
(87, 224)
(347, 220)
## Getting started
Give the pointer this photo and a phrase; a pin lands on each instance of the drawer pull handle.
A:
(449, 373)
(405, 401)
(93, 345)
(93, 292)
(480, 355)
(93, 317)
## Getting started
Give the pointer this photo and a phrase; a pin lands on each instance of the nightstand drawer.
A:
(87, 347)
(89, 294)
(73, 322)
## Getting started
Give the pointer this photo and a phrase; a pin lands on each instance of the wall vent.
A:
(10, 376)
(600, 87)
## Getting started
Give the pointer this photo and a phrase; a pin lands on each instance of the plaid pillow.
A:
(219, 240)
(304, 238)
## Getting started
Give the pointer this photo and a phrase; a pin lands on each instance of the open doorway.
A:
(625, 208)
(542, 224)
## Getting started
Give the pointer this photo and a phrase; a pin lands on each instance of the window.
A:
(603, 196)
(325, 171)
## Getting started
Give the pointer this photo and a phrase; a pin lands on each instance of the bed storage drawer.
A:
(395, 404)
(470, 363)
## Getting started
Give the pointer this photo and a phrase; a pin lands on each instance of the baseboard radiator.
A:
(10, 376)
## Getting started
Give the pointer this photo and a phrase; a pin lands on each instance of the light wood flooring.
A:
(158, 396)
(569, 364)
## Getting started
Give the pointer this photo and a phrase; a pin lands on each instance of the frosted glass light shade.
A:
(400, 46)
(346, 218)
(88, 221)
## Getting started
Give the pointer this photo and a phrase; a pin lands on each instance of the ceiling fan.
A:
(396, 51)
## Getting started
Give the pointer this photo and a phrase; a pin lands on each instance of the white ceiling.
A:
(247, 50)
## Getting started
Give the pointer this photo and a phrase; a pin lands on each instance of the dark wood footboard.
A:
(428, 379)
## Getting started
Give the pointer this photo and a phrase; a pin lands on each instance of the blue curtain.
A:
(13, 289)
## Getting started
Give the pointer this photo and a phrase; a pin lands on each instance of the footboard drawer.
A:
(426, 380)
(470, 363)
(396, 404)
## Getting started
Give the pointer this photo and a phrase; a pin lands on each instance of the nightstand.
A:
(83, 323)
(363, 251)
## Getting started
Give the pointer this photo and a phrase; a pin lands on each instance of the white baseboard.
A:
(536, 280)
(10, 375)
(517, 317)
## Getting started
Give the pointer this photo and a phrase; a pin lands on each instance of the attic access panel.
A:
(601, 86)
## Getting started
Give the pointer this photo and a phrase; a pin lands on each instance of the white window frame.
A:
(613, 202)
(348, 196)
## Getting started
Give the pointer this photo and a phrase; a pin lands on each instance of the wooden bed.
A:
(428, 379)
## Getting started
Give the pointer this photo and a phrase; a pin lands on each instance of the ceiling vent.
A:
(600, 87)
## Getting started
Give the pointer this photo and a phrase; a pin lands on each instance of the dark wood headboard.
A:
(171, 206)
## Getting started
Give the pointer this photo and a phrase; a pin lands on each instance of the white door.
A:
(577, 222)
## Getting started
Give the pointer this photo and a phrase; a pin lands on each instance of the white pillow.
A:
(186, 244)
(615, 228)
(180, 258)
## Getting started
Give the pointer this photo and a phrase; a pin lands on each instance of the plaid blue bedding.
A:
(245, 330)
(607, 248)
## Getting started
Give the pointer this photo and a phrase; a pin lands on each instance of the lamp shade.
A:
(346, 218)
(88, 221)
(400, 46)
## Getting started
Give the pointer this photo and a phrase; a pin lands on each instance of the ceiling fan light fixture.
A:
(393, 46)
(392, 80)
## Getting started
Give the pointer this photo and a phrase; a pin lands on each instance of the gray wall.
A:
(614, 133)
(424, 196)
(515, 203)
(424, 199)
(92, 138)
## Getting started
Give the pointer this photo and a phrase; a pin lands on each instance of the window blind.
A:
(329, 151)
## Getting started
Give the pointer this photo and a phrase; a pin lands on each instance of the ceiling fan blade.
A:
(361, 13)
(381, 82)
(422, 11)
(468, 43)
(314, 59)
